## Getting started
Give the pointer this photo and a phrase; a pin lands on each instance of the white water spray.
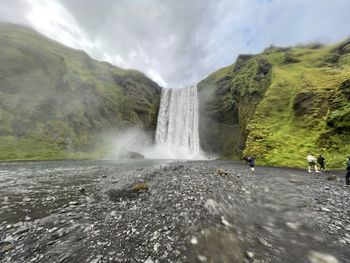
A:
(177, 128)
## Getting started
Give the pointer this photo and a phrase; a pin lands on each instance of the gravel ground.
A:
(157, 211)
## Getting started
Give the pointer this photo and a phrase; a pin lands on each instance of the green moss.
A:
(300, 106)
(60, 99)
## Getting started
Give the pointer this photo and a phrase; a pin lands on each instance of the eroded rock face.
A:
(303, 103)
(227, 101)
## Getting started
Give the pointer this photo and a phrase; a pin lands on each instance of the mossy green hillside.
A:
(55, 101)
(223, 104)
(301, 107)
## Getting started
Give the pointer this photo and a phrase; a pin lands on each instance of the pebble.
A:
(324, 209)
(264, 242)
(149, 260)
(52, 229)
(202, 258)
(21, 231)
(317, 257)
(294, 226)
(156, 246)
(225, 222)
(249, 254)
(194, 240)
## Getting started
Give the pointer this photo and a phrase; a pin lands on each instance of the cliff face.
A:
(280, 105)
(227, 101)
(54, 100)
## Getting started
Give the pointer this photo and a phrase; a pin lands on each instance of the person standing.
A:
(321, 160)
(251, 162)
(311, 160)
(347, 177)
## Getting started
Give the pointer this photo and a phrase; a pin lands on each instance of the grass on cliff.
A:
(55, 99)
(280, 138)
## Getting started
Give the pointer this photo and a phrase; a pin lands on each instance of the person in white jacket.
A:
(311, 160)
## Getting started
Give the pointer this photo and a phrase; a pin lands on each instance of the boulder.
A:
(134, 155)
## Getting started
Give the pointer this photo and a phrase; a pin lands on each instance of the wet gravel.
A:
(205, 211)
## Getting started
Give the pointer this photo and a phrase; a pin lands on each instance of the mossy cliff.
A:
(55, 101)
(280, 105)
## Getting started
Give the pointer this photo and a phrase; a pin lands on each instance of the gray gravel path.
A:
(86, 212)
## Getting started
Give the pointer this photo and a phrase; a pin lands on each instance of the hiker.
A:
(347, 177)
(251, 162)
(311, 160)
(321, 161)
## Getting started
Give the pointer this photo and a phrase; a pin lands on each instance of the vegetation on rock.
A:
(56, 101)
(280, 105)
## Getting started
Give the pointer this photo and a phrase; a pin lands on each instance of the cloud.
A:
(179, 42)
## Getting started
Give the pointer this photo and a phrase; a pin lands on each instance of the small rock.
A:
(324, 209)
(82, 190)
(264, 242)
(7, 248)
(347, 228)
(249, 254)
(222, 172)
(18, 224)
(194, 241)
(317, 257)
(225, 222)
(21, 231)
(332, 177)
(149, 260)
(140, 187)
(27, 218)
(293, 180)
(73, 203)
(211, 205)
(202, 258)
(53, 229)
(156, 246)
(294, 226)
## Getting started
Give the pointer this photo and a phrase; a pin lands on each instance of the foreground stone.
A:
(182, 212)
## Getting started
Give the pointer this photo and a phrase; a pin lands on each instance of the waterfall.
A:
(177, 127)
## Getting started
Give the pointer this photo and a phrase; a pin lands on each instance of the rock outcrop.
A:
(280, 105)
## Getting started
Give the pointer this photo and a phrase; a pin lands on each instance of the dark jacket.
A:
(250, 161)
(348, 167)
(320, 159)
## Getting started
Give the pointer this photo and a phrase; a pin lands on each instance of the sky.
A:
(180, 42)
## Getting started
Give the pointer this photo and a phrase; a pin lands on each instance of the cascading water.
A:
(177, 127)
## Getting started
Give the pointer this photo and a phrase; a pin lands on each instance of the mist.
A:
(132, 141)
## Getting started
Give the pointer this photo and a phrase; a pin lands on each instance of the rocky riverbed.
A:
(157, 211)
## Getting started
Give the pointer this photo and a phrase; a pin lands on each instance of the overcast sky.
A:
(179, 42)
